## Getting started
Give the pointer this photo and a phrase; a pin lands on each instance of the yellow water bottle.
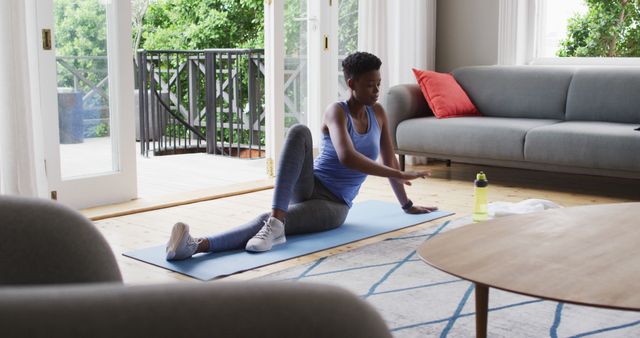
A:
(480, 198)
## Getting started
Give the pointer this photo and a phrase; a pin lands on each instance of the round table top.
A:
(587, 255)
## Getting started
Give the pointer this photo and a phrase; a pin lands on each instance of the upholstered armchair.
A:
(59, 278)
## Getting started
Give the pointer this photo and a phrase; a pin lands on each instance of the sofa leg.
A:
(401, 162)
(448, 163)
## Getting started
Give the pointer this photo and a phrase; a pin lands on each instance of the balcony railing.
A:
(210, 100)
(194, 101)
(83, 97)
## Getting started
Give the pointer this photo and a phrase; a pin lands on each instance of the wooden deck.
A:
(163, 175)
(165, 181)
(174, 174)
(450, 188)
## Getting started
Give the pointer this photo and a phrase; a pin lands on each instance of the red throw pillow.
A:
(444, 95)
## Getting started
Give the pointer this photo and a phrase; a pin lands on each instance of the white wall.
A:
(466, 34)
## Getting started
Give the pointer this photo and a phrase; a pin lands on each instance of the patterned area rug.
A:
(417, 300)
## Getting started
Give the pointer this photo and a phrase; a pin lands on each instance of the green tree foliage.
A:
(202, 24)
(610, 28)
(80, 35)
(348, 23)
(295, 27)
(80, 28)
(138, 11)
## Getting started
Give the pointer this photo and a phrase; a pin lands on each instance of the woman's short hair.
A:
(359, 63)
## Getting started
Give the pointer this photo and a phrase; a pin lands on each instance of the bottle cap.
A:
(481, 176)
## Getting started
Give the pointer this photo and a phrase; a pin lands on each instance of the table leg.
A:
(482, 309)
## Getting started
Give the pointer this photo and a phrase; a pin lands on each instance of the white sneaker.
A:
(181, 245)
(272, 233)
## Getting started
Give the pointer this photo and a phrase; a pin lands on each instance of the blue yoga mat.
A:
(365, 219)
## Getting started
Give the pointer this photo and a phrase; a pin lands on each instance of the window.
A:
(555, 17)
(595, 32)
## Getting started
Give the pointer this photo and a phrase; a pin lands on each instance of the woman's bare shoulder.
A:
(335, 107)
(378, 109)
(334, 110)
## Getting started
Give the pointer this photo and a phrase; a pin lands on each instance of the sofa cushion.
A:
(444, 95)
(537, 92)
(587, 144)
(609, 94)
(485, 137)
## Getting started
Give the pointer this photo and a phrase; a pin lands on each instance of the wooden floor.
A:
(450, 188)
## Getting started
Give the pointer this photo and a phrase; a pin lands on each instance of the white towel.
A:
(500, 209)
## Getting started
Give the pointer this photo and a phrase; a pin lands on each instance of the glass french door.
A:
(312, 36)
(295, 63)
(347, 40)
(86, 81)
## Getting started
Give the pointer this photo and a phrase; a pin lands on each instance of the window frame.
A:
(586, 61)
(523, 19)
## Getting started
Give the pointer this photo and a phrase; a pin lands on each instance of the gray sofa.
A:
(554, 118)
(59, 278)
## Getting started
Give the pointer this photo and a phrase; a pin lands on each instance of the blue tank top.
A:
(340, 180)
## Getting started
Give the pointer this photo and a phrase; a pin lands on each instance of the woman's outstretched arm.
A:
(336, 122)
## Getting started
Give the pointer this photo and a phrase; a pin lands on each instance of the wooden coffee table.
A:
(586, 255)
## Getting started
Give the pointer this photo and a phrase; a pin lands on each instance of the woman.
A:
(310, 197)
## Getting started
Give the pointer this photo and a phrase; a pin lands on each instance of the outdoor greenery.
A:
(102, 129)
(81, 28)
(610, 28)
(295, 29)
(175, 130)
(98, 130)
(202, 24)
(80, 43)
(81, 39)
(348, 27)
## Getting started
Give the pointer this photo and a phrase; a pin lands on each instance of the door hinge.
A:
(326, 42)
(46, 39)
(54, 195)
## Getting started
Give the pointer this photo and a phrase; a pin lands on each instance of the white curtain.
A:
(373, 32)
(520, 30)
(403, 35)
(21, 159)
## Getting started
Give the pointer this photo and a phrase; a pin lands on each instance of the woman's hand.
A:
(407, 176)
(416, 209)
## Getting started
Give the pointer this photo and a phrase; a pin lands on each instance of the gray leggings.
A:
(310, 206)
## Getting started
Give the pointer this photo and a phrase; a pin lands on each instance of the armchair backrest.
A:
(43, 242)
